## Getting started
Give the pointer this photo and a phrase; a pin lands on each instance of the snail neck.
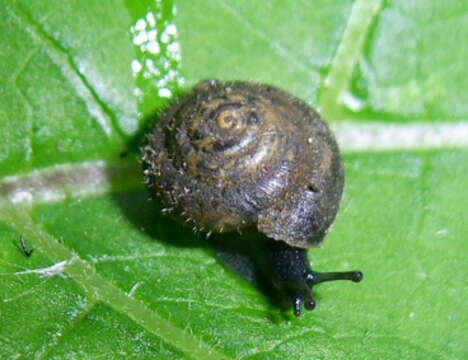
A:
(293, 277)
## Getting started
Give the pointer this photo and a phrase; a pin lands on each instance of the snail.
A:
(239, 155)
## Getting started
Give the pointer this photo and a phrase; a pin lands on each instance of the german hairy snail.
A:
(239, 155)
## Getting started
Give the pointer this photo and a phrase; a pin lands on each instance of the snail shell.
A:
(233, 155)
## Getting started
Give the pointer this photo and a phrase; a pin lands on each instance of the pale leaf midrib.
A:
(60, 182)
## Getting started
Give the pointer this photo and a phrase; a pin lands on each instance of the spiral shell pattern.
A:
(235, 155)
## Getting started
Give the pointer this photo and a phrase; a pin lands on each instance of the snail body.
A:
(239, 155)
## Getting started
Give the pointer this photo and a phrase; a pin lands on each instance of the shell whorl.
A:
(236, 155)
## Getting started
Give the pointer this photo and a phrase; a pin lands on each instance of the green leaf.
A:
(111, 277)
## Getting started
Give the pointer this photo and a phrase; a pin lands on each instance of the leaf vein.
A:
(98, 288)
(65, 62)
(335, 84)
(276, 46)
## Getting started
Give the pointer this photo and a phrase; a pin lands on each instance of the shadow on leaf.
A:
(240, 253)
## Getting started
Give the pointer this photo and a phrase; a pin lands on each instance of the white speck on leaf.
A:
(136, 66)
(153, 47)
(21, 196)
(164, 92)
(352, 102)
(53, 270)
(151, 19)
(134, 289)
(140, 24)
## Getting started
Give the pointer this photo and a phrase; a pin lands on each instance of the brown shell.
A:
(233, 155)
